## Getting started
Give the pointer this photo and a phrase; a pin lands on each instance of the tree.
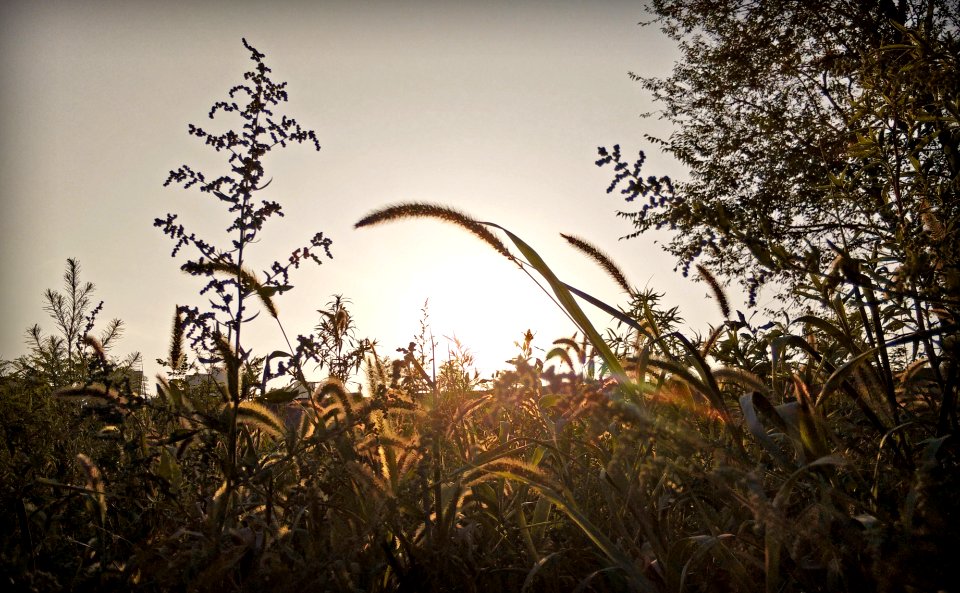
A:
(60, 359)
(809, 129)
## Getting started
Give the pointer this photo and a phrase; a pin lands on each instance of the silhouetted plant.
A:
(230, 283)
(241, 434)
(338, 345)
(72, 355)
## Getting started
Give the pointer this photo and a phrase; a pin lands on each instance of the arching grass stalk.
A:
(561, 290)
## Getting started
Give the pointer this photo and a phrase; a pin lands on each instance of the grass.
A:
(706, 465)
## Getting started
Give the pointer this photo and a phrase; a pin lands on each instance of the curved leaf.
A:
(841, 374)
(750, 417)
(569, 304)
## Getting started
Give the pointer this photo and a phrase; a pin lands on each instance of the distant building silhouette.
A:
(134, 376)
(207, 381)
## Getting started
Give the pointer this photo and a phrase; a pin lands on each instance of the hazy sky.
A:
(494, 108)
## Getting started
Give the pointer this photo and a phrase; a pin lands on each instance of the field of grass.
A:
(752, 459)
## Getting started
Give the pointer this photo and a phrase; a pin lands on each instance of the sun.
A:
(463, 292)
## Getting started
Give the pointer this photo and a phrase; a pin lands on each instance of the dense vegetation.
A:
(814, 451)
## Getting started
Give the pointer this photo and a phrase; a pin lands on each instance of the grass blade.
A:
(568, 303)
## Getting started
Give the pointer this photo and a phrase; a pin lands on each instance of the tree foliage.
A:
(808, 129)
(71, 355)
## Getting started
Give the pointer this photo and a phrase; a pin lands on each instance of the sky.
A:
(495, 108)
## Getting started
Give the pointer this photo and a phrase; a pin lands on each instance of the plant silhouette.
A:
(230, 283)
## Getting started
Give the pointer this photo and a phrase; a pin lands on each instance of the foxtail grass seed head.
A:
(424, 210)
(717, 290)
(177, 356)
(601, 258)
(97, 348)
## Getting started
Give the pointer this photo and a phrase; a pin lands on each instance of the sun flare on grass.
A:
(467, 292)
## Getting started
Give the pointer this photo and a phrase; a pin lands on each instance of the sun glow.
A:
(464, 292)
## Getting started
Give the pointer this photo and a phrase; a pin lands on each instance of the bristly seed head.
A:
(601, 258)
(423, 210)
(717, 290)
(96, 346)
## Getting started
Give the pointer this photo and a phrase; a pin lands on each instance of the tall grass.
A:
(757, 459)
